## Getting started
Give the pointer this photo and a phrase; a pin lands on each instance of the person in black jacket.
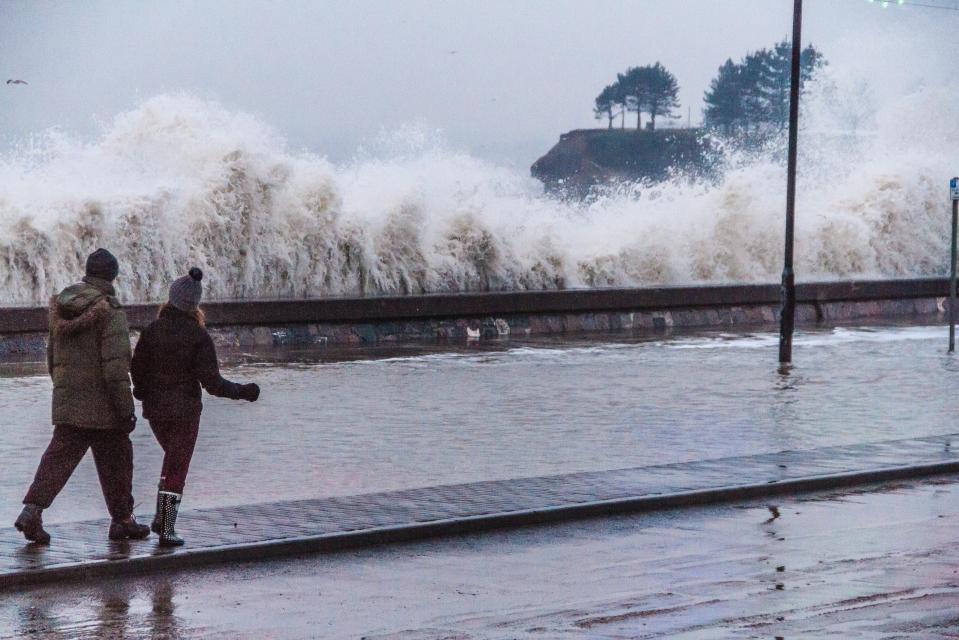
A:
(174, 357)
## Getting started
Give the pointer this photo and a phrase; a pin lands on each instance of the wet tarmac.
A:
(342, 422)
(80, 550)
(865, 564)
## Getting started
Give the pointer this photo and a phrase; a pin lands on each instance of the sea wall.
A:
(265, 323)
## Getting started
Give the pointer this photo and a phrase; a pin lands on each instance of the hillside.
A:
(585, 158)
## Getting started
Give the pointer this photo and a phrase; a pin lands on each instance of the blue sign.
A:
(954, 188)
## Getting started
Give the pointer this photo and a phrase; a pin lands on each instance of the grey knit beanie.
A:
(102, 264)
(185, 292)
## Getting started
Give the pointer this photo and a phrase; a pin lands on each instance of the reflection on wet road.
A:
(864, 564)
(113, 611)
(415, 416)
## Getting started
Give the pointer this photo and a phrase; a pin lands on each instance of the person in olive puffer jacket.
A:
(174, 357)
(88, 355)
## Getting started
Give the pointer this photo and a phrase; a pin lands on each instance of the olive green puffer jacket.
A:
(89, 357)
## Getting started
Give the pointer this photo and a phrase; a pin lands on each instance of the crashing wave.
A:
(178, 182)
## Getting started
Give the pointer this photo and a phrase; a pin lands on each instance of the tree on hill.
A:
(632, 91)
(662, 93)
(755, 89)
(650, 89)
(753, 95)
(778, 76)
(606, 103)
(619, 93)
(724, 103)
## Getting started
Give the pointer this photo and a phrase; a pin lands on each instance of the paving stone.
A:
(82, 543)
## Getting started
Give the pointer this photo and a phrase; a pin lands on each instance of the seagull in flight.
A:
(11, 81)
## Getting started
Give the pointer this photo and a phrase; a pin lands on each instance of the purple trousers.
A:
(177, 438)
(112, 453)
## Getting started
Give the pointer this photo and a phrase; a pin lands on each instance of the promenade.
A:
(272, 530)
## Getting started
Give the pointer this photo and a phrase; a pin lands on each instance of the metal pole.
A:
(788, 291)
(952, 280)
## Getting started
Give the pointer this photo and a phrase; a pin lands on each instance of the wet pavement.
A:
(270, 530)
(335, 423)
(873, 564)
(862, 564)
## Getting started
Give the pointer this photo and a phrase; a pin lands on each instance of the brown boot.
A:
(30, 524)
(128, 529)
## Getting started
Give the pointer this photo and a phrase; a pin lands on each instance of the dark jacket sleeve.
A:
(140, 365)
(115, 362)
(207, 371)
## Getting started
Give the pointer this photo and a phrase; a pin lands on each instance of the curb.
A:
(186, 558)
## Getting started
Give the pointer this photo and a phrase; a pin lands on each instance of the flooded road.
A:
(332, 423)
(863, 564)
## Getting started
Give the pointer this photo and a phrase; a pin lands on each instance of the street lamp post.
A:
(788, 291)
(954, 196)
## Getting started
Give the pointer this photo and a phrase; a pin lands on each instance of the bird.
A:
(11, 81)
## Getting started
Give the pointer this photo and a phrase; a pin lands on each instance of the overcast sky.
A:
(501, 78)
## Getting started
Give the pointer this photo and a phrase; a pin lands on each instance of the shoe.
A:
(128, 529)
(30, 524)
(169, 505)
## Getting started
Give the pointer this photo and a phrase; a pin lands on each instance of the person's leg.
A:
(113, 455)
(160, 431)
(67, 447)
(178, 446)
(178, 440)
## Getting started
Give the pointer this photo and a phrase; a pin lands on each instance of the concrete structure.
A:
(489, 315)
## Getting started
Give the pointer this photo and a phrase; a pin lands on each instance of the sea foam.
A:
(178, 182)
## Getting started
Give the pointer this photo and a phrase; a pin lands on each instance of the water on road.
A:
(333, 423)
(860, 564)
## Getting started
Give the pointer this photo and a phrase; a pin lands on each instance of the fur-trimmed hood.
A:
(80, 307)
(89, 358)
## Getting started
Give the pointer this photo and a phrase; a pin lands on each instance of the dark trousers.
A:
(112, 453)
(177, 438)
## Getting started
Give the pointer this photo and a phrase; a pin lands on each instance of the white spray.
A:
(178, 182)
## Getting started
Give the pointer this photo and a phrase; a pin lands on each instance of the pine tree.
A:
(778, 76)
(753, 95)
(724, 99)
(661, 95)
(632, 91)
(606, 103)
(650, 89)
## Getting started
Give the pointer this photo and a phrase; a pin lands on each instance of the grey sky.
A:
(331, 75)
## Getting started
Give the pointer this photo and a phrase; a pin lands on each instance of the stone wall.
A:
(33, 344)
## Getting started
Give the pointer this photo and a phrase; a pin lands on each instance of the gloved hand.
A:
(129, 423)
(250, 392)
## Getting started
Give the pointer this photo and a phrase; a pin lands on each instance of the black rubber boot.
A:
(128, 529)
(169, 506)
(30, 524)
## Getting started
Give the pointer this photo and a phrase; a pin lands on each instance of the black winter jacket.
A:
(172, 359)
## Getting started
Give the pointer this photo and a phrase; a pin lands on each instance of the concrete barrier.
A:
(462, 315)
(456, 305)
